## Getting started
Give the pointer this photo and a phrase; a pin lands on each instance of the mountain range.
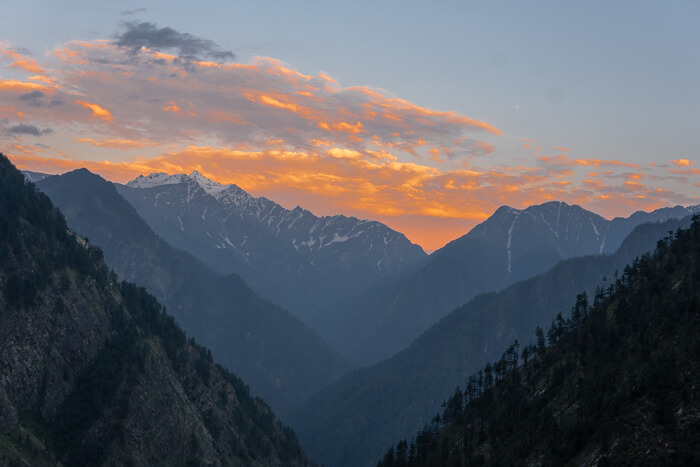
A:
(367, 290)
(509, 246)
(292, 257)
(94, 372)
(281, 358)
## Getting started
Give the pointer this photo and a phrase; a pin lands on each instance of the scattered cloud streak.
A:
(135, 11)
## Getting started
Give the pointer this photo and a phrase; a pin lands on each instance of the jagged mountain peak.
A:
(156, 179)
(556, 216)
(559, 207)
(210, 186)
(236, 196)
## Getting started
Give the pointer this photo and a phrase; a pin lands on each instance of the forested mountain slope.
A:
(352, 421)
(282, 359)
(619, 383)
(94, 372)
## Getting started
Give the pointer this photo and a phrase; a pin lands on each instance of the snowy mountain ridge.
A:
(307, 230)
(299, 253)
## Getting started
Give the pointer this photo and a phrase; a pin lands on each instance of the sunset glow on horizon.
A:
(123, 107)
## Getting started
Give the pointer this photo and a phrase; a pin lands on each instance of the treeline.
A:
(613, 382)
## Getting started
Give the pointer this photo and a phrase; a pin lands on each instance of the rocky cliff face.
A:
(98, 371)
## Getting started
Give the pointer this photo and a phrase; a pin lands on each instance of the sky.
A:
(426, 116)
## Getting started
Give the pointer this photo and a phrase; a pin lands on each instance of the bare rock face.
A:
(99, 370)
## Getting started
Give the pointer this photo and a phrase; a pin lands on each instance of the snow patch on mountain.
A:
(210, 186)
(156, 179)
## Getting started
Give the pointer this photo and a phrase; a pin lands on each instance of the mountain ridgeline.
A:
(291, 257)
(339, 425)
(282, 359)
(94, 372)
(509, 246)
(618, 383)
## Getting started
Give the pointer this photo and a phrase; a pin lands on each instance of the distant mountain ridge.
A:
(292, 257)
(511, 245)
(281, 358)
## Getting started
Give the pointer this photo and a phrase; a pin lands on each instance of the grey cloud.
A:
(24, 129)
(33, 98)
(187, 46)
(36, 99)
(32, 95)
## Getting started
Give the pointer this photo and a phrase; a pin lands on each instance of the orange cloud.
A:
(682, 163)
(399, 108)
(172, 107)
(271, 101)
(560, 149)
(13, 85)
(599, 162)
(634, 185)
(22, 62)
(634, 176)
(690, 171)
(97, 111)
(343, 127)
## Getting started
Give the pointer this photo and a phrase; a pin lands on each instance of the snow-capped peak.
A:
(210, 186)
(156, 179)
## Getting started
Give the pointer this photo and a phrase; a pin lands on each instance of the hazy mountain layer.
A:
(283, 360)
(352, 422)
(509, 246)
